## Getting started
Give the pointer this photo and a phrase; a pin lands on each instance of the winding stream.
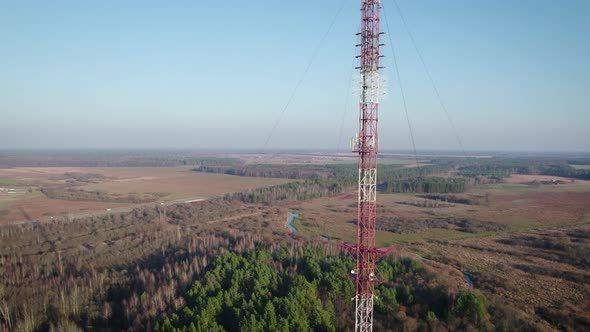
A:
(290, 220)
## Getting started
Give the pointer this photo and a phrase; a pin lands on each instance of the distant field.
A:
(581, 166)
(177, 181)
(524, 178)
(36, 205)
(171, 182)
(321, 159)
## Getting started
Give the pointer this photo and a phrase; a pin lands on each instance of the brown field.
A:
(525, 178)
(173, 182)
(547, 208)
(332, 216)
(37, 174)
(41, 207)
(178, 181)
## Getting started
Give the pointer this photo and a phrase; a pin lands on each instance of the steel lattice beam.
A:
(367, 147)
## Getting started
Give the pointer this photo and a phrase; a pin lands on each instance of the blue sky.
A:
(514, 75)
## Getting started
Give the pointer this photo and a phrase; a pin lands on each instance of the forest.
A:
(293, 191)
(331, 179)
(273, 171)
(264, 291)
(430, 184)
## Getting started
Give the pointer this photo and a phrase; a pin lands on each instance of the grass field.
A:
(173, 182)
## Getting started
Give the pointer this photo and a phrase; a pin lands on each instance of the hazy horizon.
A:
(514, 76)
(9, 152)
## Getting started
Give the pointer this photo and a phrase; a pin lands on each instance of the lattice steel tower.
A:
(366, 144)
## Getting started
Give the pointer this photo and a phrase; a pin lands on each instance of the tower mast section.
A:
(366, 145)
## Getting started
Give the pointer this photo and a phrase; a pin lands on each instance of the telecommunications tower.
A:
(366, 144)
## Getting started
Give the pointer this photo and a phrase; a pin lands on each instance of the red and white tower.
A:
(366, 144)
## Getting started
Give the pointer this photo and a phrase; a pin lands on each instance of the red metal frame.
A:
(367, 147)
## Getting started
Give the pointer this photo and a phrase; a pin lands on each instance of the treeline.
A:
(482, 174)
(567, 171)
(579, 161)
(413, 172)
(387, 172)
(344, 177)
(270, 171)
(429, 184)
(345, 173)
(110, 159)
(394, 178)
(293, 191)
(494, 170)
(332, 179)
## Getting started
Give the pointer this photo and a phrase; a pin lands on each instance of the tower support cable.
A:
(345, 110)
(434, 87)
(401, 88)
(307, 68)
